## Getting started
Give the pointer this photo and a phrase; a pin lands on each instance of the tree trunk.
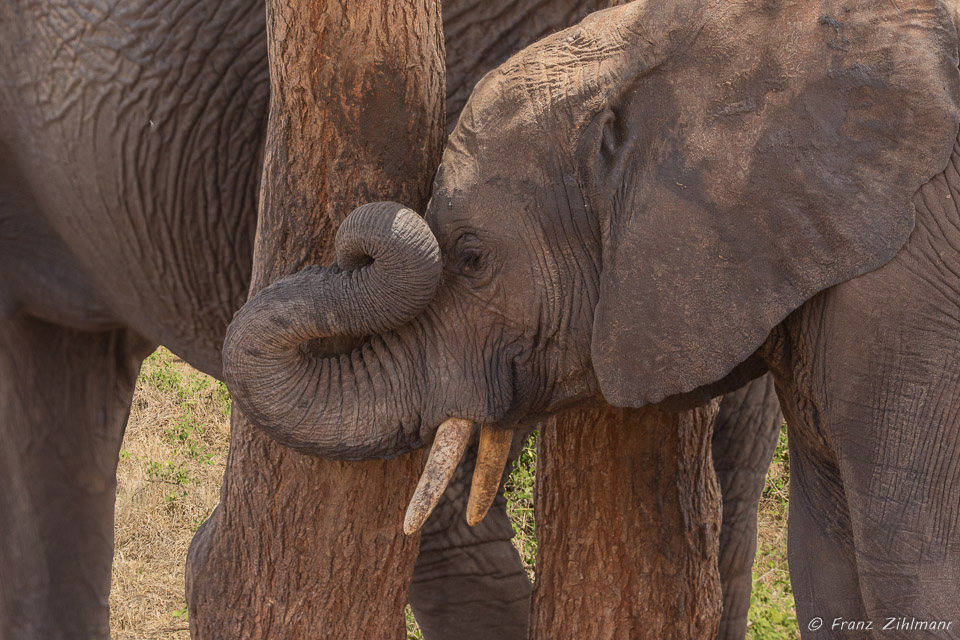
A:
(628, 526)
(301, 547)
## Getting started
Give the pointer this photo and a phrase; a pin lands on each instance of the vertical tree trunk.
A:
(628, 525)
(301, 547)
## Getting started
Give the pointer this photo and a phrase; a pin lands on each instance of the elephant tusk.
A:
(452, 438)
(491, 459)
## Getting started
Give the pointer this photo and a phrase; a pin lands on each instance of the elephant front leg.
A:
(744, 438)
(868, 374)
(64, 396)
(469, 582)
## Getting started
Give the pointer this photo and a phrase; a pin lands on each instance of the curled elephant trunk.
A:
(348, 406)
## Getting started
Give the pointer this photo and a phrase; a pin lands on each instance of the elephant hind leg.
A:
(745, 436)
(64, 400)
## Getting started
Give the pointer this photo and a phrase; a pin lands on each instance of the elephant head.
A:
(626, 208)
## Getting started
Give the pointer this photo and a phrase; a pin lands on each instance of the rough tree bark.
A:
(628, 526)
(300, 547)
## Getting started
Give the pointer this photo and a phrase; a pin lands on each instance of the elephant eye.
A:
(471, 259)
(471, 262)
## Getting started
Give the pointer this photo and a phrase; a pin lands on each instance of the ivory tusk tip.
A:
(448, 446)
(491, 461)
(410, 528)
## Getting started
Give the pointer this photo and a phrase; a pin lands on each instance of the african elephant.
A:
(652, 206)
(130, 155)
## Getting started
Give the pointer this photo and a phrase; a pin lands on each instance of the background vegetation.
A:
(168, 482)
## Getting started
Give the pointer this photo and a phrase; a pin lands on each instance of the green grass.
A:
(772, 613)
(169, 473)
(519, 492)
(160, 371)
(413, 631)
(185, 437)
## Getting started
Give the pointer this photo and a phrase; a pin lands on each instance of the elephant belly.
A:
(137, 135)
(40, 277)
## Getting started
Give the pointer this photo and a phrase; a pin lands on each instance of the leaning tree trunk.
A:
(628, 526)
(300, 547)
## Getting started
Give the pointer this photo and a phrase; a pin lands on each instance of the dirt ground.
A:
(168, 481)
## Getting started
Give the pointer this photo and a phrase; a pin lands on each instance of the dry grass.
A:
(168, 482)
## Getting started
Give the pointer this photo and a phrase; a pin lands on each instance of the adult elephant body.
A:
(130, 160)
(694, 192)
(129, 163)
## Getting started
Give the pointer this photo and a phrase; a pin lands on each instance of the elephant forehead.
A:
(493, 171)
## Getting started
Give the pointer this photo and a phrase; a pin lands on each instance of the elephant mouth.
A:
(518, 408)
(449, 443)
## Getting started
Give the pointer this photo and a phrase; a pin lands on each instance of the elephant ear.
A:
(771, 151)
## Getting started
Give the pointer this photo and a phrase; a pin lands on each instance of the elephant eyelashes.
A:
(608, 141)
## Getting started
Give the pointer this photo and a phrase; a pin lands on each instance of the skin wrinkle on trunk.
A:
(297, 543)
(391, 267)
(628, 526)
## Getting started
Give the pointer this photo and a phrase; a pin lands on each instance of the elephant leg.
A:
(821, 551)
(901, 477)
(874, 491)
(65, 397)
(468, 582)
(868, 375)
(744, 438)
